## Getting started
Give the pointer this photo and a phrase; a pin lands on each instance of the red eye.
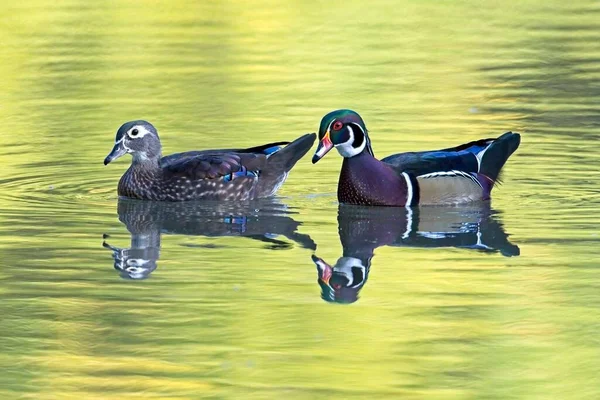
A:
(337, 125)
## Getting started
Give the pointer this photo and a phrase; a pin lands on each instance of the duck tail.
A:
(280, 162)
(493, 157)
(285, 158)
(264, 148)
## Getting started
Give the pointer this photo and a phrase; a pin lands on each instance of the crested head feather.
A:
(353, 138)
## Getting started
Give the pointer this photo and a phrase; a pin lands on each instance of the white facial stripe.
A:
(346, 149)
(142, 131)
(346, 263)
(360, 127)
(125, 147)
(344, 267)
(329, 127)
(351, 131)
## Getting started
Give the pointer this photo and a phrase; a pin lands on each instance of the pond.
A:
(296, 296)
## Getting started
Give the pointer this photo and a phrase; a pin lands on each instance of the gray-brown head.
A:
(140, 139)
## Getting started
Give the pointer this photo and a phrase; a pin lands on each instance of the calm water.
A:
(239, 301)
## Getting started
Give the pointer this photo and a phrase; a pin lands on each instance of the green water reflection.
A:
(234, 308)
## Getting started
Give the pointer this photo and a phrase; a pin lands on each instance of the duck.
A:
(267, 220)
(474, 227)
(226, 174)
(458, 175)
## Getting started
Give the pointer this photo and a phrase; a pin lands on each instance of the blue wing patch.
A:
(242, 172)
(271, 150)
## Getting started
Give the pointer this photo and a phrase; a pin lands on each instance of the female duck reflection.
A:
(363, 229)
(262, 220)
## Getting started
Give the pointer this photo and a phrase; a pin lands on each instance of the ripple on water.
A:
(55, 189)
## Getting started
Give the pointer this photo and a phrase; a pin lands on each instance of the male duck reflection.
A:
(262, 220)
(456, 175)
(233, 174)
(363, 229)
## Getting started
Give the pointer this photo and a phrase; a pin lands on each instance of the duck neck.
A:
(142, 161)
(362, 157)
(358, 144)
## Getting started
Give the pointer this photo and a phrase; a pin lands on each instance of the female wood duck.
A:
(450, 176)
(266, 220)
(231, 174)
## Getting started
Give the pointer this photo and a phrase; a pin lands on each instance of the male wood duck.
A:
(363, 229)
(229, 174)
(455, 175)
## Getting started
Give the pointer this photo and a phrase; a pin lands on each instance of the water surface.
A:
(298, 297)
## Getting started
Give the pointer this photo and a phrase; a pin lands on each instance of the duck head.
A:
(341, 283)
(346, 131)
(134, 262)
(140, 139)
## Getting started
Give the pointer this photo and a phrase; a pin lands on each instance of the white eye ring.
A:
(137, 131)
(136, 262)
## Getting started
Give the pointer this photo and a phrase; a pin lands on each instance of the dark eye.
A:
(134, 132)
(337, 125)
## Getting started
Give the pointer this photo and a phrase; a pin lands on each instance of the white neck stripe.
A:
(409, 186)
(360, 127)
(409, 216)
(347, 149)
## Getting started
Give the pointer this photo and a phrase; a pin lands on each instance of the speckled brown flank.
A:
(233, 175)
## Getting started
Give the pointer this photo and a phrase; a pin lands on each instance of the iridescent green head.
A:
(346, 131)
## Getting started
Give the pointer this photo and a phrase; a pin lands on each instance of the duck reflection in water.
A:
(363, 229)
(264, 220)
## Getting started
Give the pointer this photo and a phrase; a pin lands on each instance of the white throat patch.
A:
(346, 149)
(344, 267)
(139, 156)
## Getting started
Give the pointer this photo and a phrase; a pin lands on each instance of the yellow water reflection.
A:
(240, 315)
